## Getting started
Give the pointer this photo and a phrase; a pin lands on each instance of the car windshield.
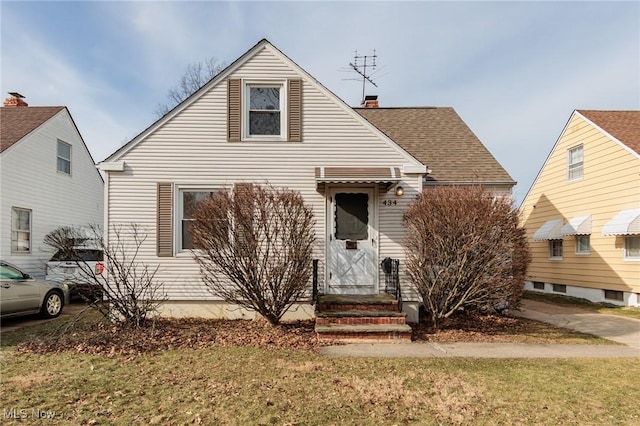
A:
(79, 254)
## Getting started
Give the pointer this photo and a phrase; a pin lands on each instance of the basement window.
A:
(559, 288)
(614, 295)
(537, 285)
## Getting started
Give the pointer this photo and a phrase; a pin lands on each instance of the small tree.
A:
(465, 250)
(129, 289)
(195, 76)
(254, 247)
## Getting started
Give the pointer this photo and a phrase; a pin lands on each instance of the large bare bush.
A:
(465, 250)
(254, 247)
(130, 293)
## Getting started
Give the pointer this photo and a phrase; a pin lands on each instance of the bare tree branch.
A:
(465, 250)
(195, 76)
(254, 247)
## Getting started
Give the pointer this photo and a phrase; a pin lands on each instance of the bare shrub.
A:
(465, 250)
(254, 247)
(130, 293)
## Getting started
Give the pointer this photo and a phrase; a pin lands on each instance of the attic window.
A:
(575, 163)
(64, 157)
(264, 115)
(264, 110)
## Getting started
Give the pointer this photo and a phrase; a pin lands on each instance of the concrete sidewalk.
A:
(619, 329)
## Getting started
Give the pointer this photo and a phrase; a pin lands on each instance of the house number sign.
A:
(389, 203)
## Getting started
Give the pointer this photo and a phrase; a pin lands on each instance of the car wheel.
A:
(52, 305)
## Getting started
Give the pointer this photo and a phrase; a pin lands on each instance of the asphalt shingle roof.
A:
(17, 122)
(622, 125)
(438, 137)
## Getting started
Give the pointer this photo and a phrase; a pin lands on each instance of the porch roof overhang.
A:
(579, 225)
(626, 222)
(388, 176)
(551, 230)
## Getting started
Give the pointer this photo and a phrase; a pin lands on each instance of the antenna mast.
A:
(362, 69)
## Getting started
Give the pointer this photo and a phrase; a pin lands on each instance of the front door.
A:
(352, 242)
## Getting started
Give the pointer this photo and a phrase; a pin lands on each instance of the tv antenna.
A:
(362, 68)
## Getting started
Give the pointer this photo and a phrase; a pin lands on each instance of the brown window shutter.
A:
(295, 110)
(165, 220)
(233, 110)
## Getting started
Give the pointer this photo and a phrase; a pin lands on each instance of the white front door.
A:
(352, 257)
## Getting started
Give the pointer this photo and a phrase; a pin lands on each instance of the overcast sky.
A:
(514, 71)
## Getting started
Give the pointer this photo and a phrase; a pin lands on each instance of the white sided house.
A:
(48, 179)
(264, 119)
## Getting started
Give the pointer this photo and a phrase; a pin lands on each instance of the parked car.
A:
(21, 294)
(75, 267)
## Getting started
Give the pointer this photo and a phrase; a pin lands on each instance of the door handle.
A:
(373, 242)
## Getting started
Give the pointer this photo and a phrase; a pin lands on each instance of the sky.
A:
(514, 71)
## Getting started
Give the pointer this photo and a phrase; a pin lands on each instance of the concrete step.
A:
(400, 333)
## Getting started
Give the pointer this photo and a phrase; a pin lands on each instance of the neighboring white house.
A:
(265, 119)
(47, 179)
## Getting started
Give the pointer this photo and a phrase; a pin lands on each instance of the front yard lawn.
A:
(247, 373)
(258, 386)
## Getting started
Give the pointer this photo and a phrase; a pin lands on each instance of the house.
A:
(48, 179)
(582, 213)
(265, 119)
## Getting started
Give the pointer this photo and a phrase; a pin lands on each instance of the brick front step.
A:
(351, 333)
(355, 317)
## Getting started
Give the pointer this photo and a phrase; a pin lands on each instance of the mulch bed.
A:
(105, 338)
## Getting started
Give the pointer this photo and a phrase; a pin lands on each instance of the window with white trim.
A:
(64, 157)
(20, 230)
(632, 247)
(583, 244)
(555, 249)
(264, 110)
(575, 163)
(189, 201)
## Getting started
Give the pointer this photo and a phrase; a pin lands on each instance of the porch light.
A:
(399, 191)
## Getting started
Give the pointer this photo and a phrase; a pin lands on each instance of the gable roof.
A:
(622, 125)
(17, 122)
(439, 138)
(225, 73)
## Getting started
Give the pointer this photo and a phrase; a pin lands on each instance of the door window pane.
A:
(352, 216)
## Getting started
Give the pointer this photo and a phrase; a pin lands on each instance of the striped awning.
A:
(387, 175)
(551, 230)
(579, 225)
(626, 222)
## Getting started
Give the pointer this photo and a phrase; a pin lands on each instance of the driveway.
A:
(10, 324)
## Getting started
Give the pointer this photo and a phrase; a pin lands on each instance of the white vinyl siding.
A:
(192, 150)
(55, 199)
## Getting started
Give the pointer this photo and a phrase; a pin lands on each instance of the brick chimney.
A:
(370, 101)
(15, 100)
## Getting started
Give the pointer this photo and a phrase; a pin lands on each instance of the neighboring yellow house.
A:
(582, 213)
